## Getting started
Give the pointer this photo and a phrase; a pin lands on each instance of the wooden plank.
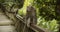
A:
(4, 20)
(7, 29)
(39, 29)
(5, 23)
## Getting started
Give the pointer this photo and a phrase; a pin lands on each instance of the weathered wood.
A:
(6, 24)
(11, 15)
(4, 20)
(7, 29)
(33, 26)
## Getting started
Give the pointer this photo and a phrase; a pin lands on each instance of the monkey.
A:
(31, 15)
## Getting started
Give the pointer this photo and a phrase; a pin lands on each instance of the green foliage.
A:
(46, 8)
(9, 3)
(46, 14)
(50, 25)
(22, 11)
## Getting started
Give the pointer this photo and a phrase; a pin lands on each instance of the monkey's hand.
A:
(28, 22)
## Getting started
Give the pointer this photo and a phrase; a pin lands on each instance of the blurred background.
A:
(48, 16)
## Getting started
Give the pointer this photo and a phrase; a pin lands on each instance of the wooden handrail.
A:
(33, 26)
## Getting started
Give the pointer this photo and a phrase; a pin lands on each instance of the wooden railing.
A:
(31, 13)
(33, 26)
(29, 20)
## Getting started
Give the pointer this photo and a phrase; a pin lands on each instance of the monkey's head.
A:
(30, 8)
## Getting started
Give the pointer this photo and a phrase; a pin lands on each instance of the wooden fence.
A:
(30, 20)
(26, 23)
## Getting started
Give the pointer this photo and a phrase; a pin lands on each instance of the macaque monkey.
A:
(31, 16)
